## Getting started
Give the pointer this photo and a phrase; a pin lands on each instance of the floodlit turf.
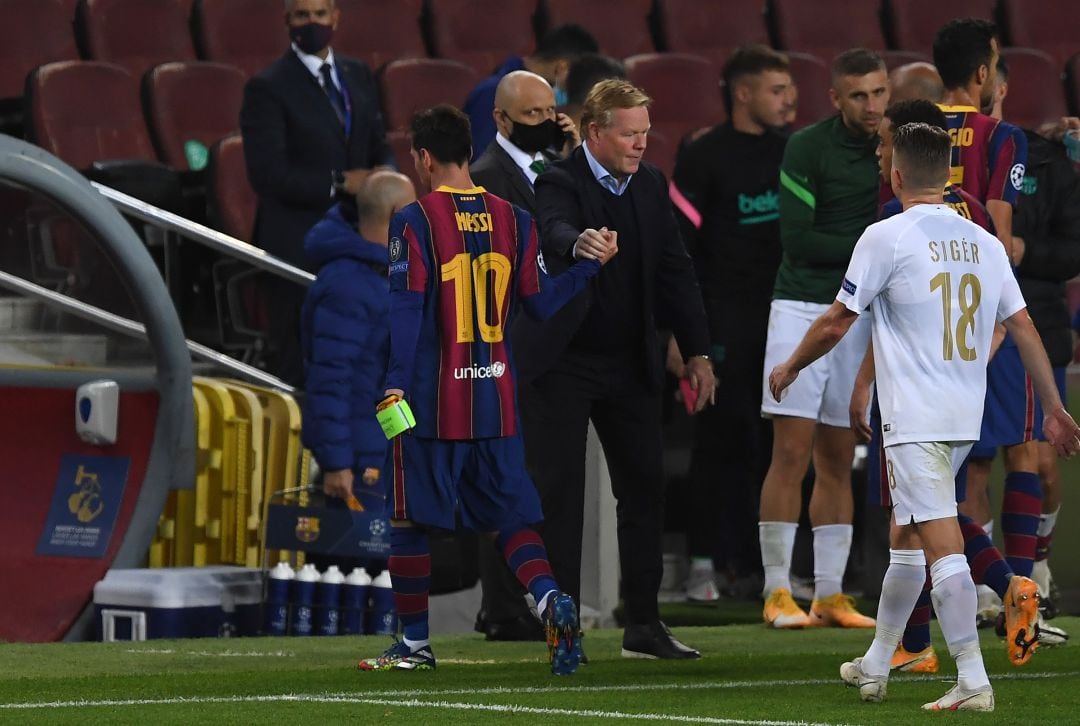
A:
(748, 675)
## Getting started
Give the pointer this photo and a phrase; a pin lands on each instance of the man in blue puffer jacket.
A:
(345, 334)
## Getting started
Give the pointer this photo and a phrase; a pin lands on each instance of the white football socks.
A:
(900, 590)
(1047, 522)
(832, 544)
(955, 603)
(777, 541)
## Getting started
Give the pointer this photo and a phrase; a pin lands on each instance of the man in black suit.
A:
(608, 368)
(312, 129)
(529, 135)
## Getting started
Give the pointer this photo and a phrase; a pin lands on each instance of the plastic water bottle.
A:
(328, 601)
(277, 599)
(303, 599)
(354, 600)
(382, 618)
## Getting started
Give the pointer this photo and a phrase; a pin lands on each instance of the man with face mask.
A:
(557, 49)
(530, 135)
(312, 130)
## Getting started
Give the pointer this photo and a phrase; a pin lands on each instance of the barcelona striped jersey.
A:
(988, 155)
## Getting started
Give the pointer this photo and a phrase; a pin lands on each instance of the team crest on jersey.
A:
(1016, 176)
(395, 249)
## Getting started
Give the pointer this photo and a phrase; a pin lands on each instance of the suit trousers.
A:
(556, 409)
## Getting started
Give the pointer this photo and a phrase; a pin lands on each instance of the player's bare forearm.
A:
(860, 396)
(1034, 357)
(1002, 214)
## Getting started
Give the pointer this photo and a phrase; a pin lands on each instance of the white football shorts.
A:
(822, 392)
(922, 479)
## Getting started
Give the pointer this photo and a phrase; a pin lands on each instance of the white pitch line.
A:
(416, 703)
(213, 654)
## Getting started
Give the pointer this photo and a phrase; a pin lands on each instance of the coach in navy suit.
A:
(608, 368)
(312, 129)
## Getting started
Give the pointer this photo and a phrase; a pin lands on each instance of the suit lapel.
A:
(517, 178)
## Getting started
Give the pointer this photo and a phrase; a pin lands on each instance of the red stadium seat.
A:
(194, 101)
(407, 86)
(897, 58)
(481, 33)
(87, 111)
(1072, 84)
(33, 33)
(913, 23)
(826, 28)
(661, 151)
(1052, 26)
(711, 29)
(232, 200)
(401, 144)
(685, 91)
(1036, 91)
(811, 77)
(621, 27)
(379, 31)
(136, 34)
(249, 34)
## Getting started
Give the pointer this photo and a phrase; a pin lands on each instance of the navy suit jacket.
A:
(293, 141)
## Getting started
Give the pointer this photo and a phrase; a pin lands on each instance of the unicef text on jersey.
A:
(495, 370)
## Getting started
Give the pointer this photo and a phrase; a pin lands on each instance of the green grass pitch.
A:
(747, 675)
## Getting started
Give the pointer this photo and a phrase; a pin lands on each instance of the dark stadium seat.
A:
(897, 58)
(481, 33)
(711, 29)
(136, 34)
(406, 86)
(912, 24)
(232, 200)
(811, 77)
(33, 33)
(1072, 84)
(379, 31)
(1036, 90)
(401, 143)
(1052, 26)
(621, 27)
(662, 152)
(249, 34)
(86, 111)
(685, 91)
(193, 101)
(826, 28)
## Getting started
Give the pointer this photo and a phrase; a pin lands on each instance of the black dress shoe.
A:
(654, 640)
(523, 627)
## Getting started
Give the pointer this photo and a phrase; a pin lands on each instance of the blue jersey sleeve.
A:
(408, 282)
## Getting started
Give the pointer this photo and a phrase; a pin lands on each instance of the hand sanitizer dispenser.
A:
(97, 406)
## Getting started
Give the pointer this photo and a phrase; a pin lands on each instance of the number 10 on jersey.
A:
(479, 285)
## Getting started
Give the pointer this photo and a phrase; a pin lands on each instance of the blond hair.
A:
(608, 95)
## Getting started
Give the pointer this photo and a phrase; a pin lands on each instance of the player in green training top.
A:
(828, 196)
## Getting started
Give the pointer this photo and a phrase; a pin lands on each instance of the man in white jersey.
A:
(936, 284)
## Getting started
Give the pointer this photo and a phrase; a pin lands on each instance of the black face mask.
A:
(312, 37)
(532, 139)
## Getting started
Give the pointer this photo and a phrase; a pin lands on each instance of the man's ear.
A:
(896, 179)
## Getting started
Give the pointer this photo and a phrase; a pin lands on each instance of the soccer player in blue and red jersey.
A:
(461, 263)
(989, 156)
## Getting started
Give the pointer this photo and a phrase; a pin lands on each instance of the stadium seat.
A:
(249, 34)
(407, 86)
(1036, 90)
(401, 144)
(136, 34)
(379, 31)
(1072, 84)
(33, 33)
(912, 24)
(811, 77)
(826, 28)
(621, 27)
(481, 33)
(193, 101)
(685, 91)
(231, 198)
(711, 30)
(897, 58)
(86, 111)
(661, 152)
(1052, 26)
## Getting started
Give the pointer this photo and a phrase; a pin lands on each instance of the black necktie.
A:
(337, 101)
